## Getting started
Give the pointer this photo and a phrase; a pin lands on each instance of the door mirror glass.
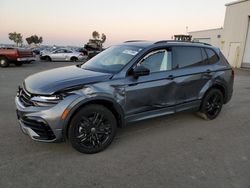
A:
(140, 71)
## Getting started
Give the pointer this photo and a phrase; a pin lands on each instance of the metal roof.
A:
(235, 2)
(214, 29)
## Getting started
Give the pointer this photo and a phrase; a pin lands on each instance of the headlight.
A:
(46, 100)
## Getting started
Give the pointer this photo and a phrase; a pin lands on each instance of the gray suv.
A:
(133, 81)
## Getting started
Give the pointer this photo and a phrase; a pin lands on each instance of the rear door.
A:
(192, 72)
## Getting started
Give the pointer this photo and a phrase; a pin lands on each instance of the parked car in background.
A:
(16, 56)
(47, 50)
(62, 55)
(37, 51)
(129, 82)
(82, 50)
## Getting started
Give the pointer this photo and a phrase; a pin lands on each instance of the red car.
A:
(17, 56)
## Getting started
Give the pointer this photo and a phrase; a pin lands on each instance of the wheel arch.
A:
(115, 108)
(47, 56)
(220, 87)
(4, 56)
(73, 57)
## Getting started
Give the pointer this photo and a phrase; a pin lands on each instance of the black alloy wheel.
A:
(92, 129)
(212, 104)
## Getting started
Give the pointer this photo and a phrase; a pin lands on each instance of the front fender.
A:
(75, 105)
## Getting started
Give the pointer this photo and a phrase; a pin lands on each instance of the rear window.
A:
(187, 57)
(211, 56)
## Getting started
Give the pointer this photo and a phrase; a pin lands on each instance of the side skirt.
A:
(189, 106)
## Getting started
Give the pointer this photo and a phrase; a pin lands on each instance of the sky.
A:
(71, 22)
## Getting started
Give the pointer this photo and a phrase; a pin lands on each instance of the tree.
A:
(96, 42)
(103, 38)
(16, 37)
(34, 39)
(95, 35)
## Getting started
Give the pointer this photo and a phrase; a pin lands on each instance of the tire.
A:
(18, 64)
(92, 129)
(211, 104)
(4, 62)
(74, 59)
(47, 58)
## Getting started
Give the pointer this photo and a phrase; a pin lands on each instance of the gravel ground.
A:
(180, 150)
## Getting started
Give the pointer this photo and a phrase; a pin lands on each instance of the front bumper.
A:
(43, 123)
(37, 132)
(26, 59)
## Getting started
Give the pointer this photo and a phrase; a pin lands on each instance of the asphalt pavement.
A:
(180, 150)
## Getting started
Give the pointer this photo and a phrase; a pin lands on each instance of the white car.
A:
(62, 55)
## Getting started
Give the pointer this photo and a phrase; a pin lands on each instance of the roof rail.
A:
(202, 43)
(166, 41)
(134, 41)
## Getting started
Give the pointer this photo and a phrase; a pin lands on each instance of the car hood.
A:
(51, 81)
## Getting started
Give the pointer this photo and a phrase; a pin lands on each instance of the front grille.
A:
(39, 126)
(25, 97)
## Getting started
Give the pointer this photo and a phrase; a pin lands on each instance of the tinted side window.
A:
(187, 56)
(204, 54)
(153, 62)
(59, 51)
(67, 51)
(211, 56)
(157, 61)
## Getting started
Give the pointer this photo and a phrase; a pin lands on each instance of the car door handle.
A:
(208, 71)
(170, 77)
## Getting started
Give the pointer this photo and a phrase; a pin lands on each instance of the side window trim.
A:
(218, 58)
(165, 50)
(150, 54)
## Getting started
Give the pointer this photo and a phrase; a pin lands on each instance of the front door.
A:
(154, 91)
(58, 55)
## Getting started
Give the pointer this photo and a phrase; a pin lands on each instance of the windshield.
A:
(112, 60)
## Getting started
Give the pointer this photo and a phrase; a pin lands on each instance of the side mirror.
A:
(140, 71)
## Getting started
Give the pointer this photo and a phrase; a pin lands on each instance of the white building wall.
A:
(246, 56)
(211, 36)
(233, 35)
(235, 30)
